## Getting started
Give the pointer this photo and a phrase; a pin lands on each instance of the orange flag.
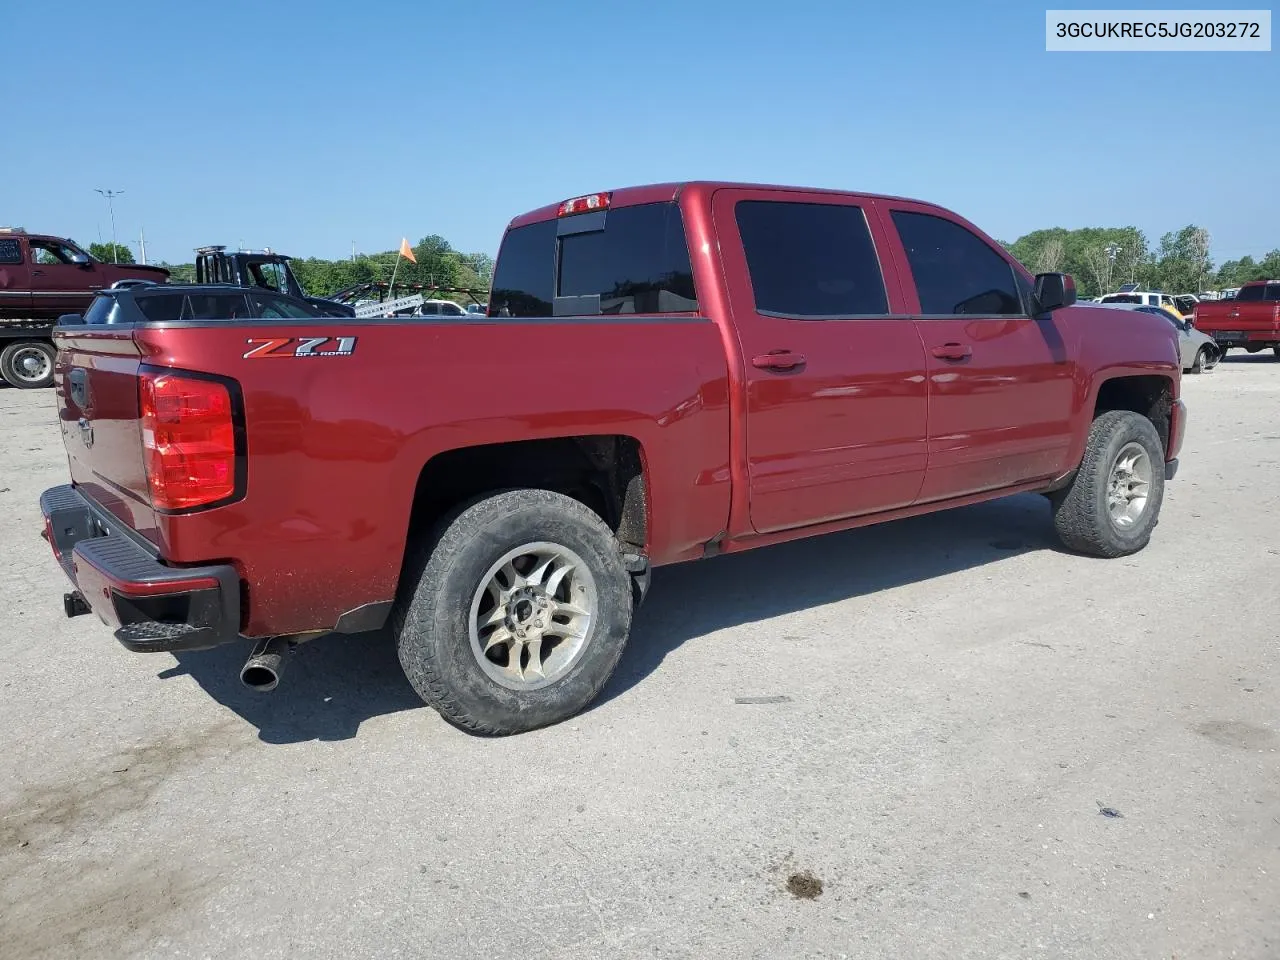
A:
(406, 251)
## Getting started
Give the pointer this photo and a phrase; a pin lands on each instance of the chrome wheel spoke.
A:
(534, 669)
(571, 609)
(500, 636)
(557, 578)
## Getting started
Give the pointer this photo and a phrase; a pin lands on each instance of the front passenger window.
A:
(955, 271)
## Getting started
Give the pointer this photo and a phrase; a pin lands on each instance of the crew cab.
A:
(42, 277)
(1251, 320)
(666, 373)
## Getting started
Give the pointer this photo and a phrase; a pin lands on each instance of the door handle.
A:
(778, 360)
(953, 351)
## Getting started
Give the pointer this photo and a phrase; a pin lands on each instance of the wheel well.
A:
(1150, 396)
(606, 473)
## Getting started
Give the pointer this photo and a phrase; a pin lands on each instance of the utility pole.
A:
(353, 251)
(111, 195)
(142, 245)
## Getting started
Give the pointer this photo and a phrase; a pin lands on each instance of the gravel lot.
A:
(961, 701)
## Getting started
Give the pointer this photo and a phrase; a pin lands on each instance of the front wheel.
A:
(521, 610)
(1113, 503)
(27, 365)
(1201, 361)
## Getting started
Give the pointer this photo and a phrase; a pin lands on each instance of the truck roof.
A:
(665, 192)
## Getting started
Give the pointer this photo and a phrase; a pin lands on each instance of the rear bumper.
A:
(150, 605)
(1243, 338)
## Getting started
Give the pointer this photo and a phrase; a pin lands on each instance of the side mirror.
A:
(79, 259)
(1054, 291)
(69, 319)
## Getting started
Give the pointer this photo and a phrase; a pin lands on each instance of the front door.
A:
(58, 283)
(836, 399)
(1001, 383)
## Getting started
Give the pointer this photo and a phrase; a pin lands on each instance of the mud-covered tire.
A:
(1080, 513)
(28, 364)
(432, 620)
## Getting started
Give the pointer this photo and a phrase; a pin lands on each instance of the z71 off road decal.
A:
(290, 348)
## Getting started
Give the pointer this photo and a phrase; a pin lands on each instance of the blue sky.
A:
(305, 126)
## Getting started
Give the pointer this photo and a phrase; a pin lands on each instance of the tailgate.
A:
(1245, 317)
(96, 379)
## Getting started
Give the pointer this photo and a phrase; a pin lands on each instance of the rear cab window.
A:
(622, 260)
(1263, 291)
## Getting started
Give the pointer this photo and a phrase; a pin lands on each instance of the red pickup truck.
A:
(1251, 320)
(42, 277)
(666, 373)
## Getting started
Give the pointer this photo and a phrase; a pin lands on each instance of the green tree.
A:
(1184, 265)
(111, 252)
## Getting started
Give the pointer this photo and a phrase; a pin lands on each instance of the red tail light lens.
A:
(188, 440)
(587, 204)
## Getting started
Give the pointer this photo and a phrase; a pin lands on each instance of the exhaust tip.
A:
(259, 677)
(262, 670)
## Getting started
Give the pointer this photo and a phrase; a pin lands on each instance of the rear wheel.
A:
(1113, 504)
(521, 609)
(27, 365)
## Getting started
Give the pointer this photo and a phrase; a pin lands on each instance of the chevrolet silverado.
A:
(665, 373)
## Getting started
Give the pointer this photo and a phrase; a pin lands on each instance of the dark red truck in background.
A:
(1251, 320)
(41, 278)
(667, 373)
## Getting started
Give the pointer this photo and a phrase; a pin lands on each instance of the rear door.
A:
(836, 400)
(57, 282)
(1001, 383)
(15, 277)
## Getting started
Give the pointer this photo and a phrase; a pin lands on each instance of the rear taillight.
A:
(188, 440)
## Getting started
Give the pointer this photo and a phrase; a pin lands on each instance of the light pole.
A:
(111, 195)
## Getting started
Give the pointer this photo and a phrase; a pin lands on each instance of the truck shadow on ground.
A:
(691, 600)
(334, 683)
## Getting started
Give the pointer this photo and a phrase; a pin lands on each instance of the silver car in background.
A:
(1199, 351)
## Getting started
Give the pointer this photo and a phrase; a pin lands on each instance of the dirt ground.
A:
(939, 738)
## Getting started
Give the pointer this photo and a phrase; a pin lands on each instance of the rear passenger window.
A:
(637, 262)
(161, 309)
(811, 260)
(217, 306)
(10, 251)
(955, 271)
